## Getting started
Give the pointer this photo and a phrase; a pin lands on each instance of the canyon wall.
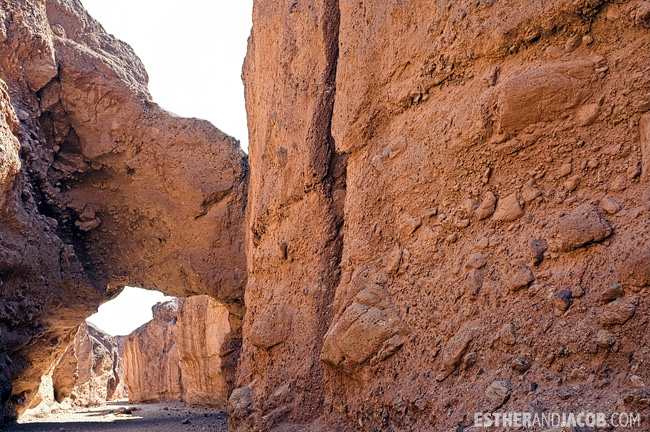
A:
(465, 231)
(207, 357)
(99, 187)
(186, 353)
(89, 373)
(151, 364)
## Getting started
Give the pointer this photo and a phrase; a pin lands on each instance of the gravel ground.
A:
(160, 417)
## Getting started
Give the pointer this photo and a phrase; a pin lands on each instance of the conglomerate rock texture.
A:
(447, 214)
(447, 210)
(99, 187)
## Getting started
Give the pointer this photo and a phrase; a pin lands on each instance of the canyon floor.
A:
(167, 417)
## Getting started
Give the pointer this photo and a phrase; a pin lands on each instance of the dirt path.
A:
(163, 417)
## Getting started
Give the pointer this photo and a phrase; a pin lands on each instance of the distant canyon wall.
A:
(90, 373)
(447, 212)
(184, 354)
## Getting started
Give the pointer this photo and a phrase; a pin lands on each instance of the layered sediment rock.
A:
(99, 187)
(494, 194)
(151, 364)
(205, 351)
(185, 353)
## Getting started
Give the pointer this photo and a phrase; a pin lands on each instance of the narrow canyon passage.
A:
(444, 214)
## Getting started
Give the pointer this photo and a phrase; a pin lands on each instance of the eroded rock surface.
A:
(188, 352)
(151, 363)
(496, 177)
(208, 360)
(99, 187)
(90, 373)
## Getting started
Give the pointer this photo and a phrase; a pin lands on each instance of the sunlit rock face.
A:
(99, 187)
(151, 364)
(186, 353)
(207, 355)
(90, 373)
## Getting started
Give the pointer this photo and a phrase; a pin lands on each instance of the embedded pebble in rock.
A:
(562, 301)
(476, 261)
(497, 393)
(508, 209)
(537, 249)
(636, 381)
(487, 206)
(519, 277)
(520, 364)
(606, 339)
(617, 312)
(582, 226)
(634, 272)
(633, 172)
(611, 293)
(507, 334)
(409, 225)
(474, 283)
(618, 184)
(577, 291)
(530, 191)
(610, 205)
(565, 170)
(572, 183)
(588, 114)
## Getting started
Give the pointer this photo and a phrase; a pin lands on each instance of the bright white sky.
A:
(193, 51)
(127, 312)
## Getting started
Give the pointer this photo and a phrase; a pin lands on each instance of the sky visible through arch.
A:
(193, 51)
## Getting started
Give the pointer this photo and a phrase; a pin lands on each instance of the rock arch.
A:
(100, 187)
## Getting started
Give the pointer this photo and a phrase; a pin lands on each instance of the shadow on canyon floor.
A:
(158, 417)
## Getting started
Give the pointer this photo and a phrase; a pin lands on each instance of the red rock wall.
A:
(494, 238)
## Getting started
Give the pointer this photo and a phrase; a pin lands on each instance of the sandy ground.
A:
(161, 417)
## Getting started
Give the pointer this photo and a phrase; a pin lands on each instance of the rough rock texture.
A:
(208, 361)
(99, 187)
(294, 211)
(100, 369)
(89, 373)
(187, 352)
(151, 363)
(517, 130)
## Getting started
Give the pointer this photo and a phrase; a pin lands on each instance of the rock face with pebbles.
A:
(442, 196)
(425, 176)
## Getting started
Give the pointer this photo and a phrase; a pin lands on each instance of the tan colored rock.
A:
(369, 330)
(582, 226)
(151, 362)
(203, 326)
(508, 209)
(90, 373)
